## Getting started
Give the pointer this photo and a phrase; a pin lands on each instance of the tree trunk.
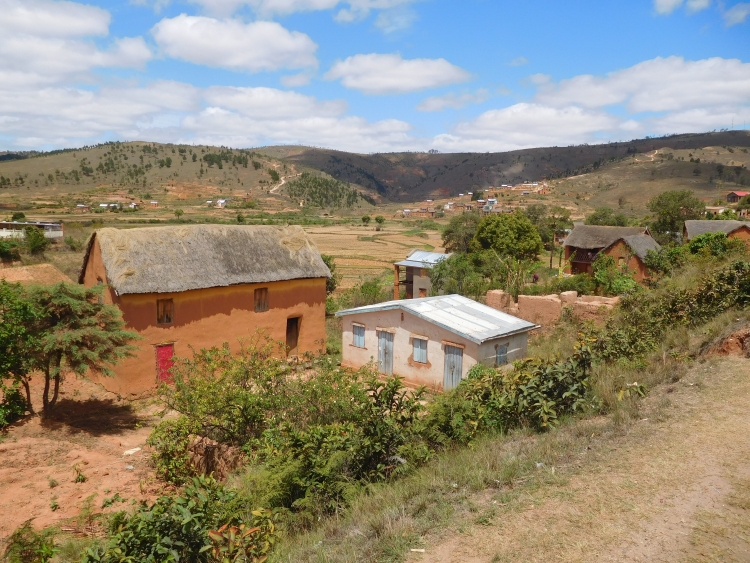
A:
(57, 390)
(45, 395)
(29, 406)
(552, 251)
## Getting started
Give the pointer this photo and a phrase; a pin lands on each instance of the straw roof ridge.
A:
(596, 236)
(695, 228)
(641, 245)
(183, 258)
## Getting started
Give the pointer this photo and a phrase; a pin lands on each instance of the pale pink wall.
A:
(429, 374)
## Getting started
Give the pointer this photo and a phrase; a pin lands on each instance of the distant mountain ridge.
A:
(409, 176)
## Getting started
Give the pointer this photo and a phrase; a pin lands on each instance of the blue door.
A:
(454, 362)
(385, 352)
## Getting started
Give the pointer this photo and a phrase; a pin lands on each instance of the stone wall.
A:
(546, 310)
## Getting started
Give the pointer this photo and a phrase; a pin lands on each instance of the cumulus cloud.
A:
(669, 6)
(661, 84)
(390, 74)
(737, 14)
(526, 125)
(233, 44)
(518, 61)
(43, 43)
(454, 101)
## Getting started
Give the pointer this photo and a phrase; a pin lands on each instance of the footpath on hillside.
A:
(674, 487)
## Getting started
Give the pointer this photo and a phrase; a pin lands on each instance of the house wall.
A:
(431, 373)
(743, 234)
(620, 250)
(421, 280)
(414, 373)
(208, 317)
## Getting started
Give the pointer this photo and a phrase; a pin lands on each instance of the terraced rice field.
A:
(361, 252)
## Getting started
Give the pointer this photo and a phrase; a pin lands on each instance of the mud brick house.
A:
(734, 229)
(734, 197)
(432, 341)
(416, 269)
(200, 286)
(627, 245)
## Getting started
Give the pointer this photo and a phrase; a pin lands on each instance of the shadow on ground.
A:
(97, 417)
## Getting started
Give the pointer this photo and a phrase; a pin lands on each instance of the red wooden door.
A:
(164, 362)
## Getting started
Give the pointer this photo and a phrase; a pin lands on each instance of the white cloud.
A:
(233, 44)
(43, 43)
(700, 119)
(52, 19)
(661, 84)
(454, 101)
(697, 5)
(526, 125)
(518, 61)
(390, 74)
(667, 6)
(737, 14)
(269, 103)
(396, 19)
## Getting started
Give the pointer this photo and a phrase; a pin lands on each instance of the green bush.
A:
(714, 244)
(186, 527)
(35, 242)
(26, 545)
(611, 279)
(13, 404)
(534, 394)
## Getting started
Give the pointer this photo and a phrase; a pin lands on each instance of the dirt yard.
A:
(91, 430)
(676, 487)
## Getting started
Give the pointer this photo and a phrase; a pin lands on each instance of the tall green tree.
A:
(74, 332)
(17, 319)
(673, 208)
(458, 274)
(460, 231)
(35, 240)
(607, 216)
(508, 234)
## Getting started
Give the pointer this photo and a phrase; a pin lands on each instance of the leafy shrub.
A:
(26, 545)
(666, 259)
(611, 279)
(13, 404)
(534, 394)
(73, 244)
(36, 242)
(185, 527)
(714, 244)
(9, 250)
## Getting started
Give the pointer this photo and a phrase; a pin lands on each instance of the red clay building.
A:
(204, 285)
(625, 244)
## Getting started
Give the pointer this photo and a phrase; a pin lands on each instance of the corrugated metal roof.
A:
(460, 315)
(422, 259)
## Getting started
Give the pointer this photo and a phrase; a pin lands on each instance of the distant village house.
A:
(735, 197)
(627, 245)
(733, 229)
(193, 287)
(416, 280)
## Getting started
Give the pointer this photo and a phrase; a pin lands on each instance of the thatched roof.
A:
(595, 236)
(41, 274)
(695, 228)
(641, 245)
(173, 259)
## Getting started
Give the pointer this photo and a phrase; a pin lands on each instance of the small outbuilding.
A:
(627, 245)
(734, 197)
(416, 268)
(432, 341)
(198, 286)
(733, 229)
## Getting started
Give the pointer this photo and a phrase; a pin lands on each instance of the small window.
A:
(501, 355)
(420, 350)
(359, 336)
(261, 299)
(164, 311)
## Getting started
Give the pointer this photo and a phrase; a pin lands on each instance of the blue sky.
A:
(370, 75)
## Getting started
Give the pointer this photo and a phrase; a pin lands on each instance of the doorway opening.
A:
(292, 335)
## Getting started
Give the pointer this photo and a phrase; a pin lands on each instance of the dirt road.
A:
(676, 487)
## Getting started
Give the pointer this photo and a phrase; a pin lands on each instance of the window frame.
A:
(423, 350)
(163, 313)
(260, 304)
(355, 327)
